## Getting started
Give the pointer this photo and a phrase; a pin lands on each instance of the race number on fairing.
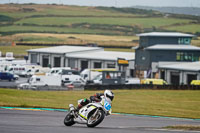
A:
(107, 105)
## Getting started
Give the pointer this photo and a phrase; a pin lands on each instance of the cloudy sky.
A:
(117, 3)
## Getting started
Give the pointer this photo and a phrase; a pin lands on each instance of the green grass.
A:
(120, 49)
(175, 103)
(43, 29)
(83, 20)
(192, 28)
(143, 22)
(85, 11)
(58, 19)
(184, 127)
(60, 11)
(42, 39)
(21, 50)
(17, 50)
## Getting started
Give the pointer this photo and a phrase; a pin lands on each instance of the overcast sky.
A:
(116, 3)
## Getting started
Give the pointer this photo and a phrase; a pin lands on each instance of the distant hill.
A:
(63, 19)
(176, 10)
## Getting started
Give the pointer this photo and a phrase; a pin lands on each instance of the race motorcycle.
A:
(92, 114)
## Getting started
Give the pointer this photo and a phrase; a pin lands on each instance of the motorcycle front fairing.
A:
(84, 112)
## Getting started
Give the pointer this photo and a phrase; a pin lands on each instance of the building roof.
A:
(64, 49)
(103, 55)
(186, 66)
(166, 34)
(173, 47)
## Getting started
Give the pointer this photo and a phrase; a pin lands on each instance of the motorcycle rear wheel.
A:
(69, 120)
(92, 122)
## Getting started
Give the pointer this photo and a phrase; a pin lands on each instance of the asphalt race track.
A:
(26, 121)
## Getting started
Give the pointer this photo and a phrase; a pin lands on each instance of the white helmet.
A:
(108, 94)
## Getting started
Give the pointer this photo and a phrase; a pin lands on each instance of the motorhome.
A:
(9, 57)
(5, 64)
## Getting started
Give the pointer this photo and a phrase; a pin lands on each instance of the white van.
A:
(98, 79)
(18, 70)
(41, 80)
(36, 70)
(90, 74)
(57, 70)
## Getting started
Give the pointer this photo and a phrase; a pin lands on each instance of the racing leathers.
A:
(96, 98)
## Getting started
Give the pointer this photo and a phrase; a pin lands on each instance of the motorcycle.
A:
(92, 114)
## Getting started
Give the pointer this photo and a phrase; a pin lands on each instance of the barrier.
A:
(143, 86)
(115, 87)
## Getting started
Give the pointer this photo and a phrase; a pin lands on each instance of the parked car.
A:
(69, 78)
(8, 76)
(132, 81)
(77, 85)
(195, 82)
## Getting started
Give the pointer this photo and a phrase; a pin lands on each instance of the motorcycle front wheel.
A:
(69, 120)
(95, 120)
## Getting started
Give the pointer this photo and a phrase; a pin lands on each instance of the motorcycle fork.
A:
(75, 114)
(95, 113)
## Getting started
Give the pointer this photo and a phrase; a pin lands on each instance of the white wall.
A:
(78, 62)
(183, 75)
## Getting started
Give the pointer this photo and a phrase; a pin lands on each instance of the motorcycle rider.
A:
(108, 95)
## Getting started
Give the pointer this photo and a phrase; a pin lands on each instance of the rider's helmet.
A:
(108, 95)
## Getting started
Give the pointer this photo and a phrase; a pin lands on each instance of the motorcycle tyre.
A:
(98, 121)
(69, 121)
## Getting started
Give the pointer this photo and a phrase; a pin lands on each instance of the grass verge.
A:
(184, 127)
(172, 103)
(17, 50)
(21, 50)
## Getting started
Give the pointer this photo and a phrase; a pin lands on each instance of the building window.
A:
(178, 56)
(184, 41)
(143, 41)
(84, 64)
(97, 64)
(111, 65)
(184, 56)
